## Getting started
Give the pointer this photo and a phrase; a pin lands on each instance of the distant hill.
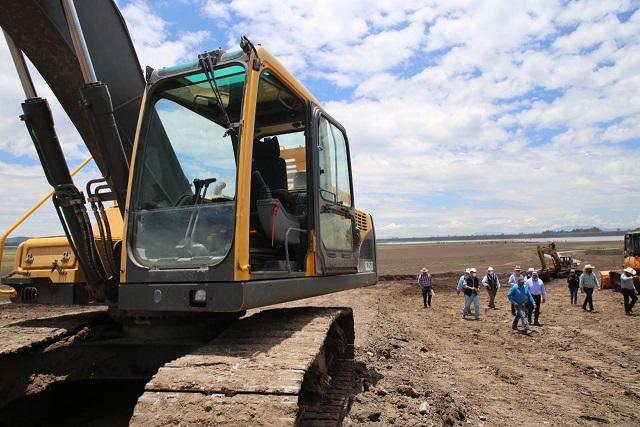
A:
(576, 232)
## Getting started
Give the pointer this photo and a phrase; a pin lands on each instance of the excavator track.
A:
(276, 368)
(26, 327)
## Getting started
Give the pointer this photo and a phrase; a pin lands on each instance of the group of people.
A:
(526, 292)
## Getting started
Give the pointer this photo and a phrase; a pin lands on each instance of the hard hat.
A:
(467, 270)
(531, 270)
(630, 271)
(490, 269)
(472, 270)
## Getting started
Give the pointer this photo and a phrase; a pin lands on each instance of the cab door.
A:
(338, 239)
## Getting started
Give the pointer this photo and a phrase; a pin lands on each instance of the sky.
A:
(462, 116)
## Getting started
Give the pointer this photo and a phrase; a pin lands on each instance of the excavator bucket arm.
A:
(38, 28)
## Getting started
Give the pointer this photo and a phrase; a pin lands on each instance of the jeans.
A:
(468, 299)
(630, 299)
(588, 299)
(574, 295)
(521, 311)
(537, 299)
(426, 296)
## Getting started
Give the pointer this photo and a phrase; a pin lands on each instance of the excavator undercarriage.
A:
(78, 366)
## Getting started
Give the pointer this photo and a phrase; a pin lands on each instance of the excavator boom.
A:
(39, 29)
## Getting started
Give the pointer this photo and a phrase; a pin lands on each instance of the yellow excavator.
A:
(562, 264)
(225, 187)
(631, 254)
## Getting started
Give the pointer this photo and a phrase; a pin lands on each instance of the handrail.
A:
(34, 208)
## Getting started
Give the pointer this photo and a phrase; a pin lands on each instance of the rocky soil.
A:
(429, 367)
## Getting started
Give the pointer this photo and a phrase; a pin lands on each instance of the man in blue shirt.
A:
(519, 296)
(513, 280)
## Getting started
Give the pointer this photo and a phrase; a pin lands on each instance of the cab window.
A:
(335, 183)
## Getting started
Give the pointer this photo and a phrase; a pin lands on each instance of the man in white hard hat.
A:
(628, 290)
(462, 284)
(530, 271)
(513, 280)
(588, 282)
(471, 294)
(492, 283)
(539, 294)
(424, 281)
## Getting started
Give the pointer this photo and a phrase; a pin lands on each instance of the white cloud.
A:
(469, 116)
(217, 9)
(152, 37)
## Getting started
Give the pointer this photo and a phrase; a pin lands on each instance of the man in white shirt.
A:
(628, 290)
(588, 282)
(539, 294)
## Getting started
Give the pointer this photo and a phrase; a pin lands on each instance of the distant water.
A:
(523, 240)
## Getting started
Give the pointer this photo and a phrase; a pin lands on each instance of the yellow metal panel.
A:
(311, 255)
(35, 258)
(42, 252)
(8, 292)
(125, 224)
(633, 262)
(241, 270)
(115, 224)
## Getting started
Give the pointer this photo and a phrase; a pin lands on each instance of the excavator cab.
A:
(632, 244)
(566, 262)
(241, 186)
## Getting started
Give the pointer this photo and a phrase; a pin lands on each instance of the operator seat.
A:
(267, 161)
(273, 170)
(275, 221)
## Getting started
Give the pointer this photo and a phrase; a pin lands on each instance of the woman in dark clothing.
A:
(573, 283)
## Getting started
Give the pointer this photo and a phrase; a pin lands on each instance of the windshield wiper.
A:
(208, 61)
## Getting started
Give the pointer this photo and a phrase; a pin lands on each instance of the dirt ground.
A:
(577, 369)
(445, 257)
